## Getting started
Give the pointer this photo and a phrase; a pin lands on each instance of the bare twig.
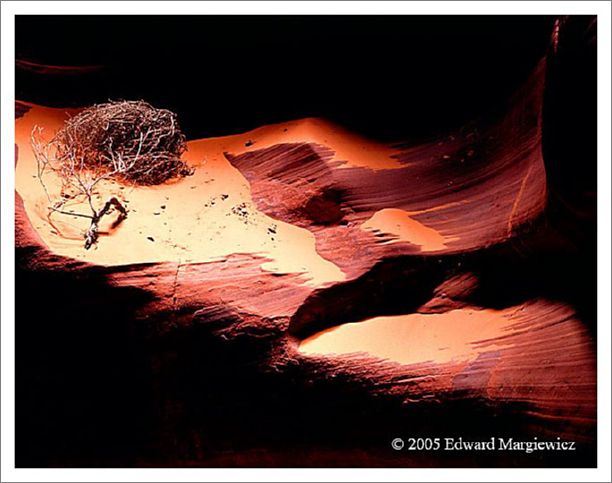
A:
(91, 236)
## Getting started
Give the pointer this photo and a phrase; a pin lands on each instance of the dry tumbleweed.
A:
(128, 141)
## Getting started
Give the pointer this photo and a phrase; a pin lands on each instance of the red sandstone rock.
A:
(214, 344)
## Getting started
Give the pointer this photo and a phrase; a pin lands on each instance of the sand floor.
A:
(454, 336)
(209, 215)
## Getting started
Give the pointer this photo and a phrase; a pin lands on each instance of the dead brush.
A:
(128, 141)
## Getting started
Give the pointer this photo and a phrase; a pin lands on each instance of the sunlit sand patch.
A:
(403, 228)
(455, 336)
(354, 150)
(204, 217)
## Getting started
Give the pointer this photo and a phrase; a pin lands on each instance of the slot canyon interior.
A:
(389, 231)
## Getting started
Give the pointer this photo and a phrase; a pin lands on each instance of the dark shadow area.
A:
(83, 373)
(394, 286)
(387, 77)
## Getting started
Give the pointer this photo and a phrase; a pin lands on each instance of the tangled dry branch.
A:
(128, 141)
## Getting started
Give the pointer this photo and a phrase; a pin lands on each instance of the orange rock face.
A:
(304, 298)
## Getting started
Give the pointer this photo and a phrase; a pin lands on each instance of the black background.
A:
(388, 77)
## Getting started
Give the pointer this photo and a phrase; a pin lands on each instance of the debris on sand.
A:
(241, 211)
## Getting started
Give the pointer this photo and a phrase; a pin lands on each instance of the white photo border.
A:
(7, 238)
